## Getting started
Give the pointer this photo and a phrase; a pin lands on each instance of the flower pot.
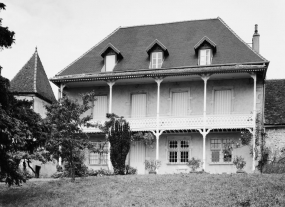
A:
(240, 171)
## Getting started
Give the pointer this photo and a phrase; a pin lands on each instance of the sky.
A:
(63, 30)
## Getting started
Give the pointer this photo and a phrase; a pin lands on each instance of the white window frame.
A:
(156, 62)
(102, 157)
(205, 59)
(179, 149)
(107, 63)
(219, 149)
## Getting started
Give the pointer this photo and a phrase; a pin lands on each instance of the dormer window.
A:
(156, 59)
(157, 53)
(110, 62)
(205, 50)
(111, 57)
(205, 56)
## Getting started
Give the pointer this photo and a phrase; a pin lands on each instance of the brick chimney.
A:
(255, 40)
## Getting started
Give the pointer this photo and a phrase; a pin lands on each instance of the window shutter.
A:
(138, 108)
(100, 107)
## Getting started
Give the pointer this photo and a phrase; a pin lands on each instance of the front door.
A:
(137, 156)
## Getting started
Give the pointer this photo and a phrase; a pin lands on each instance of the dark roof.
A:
(32, 79)
(179, 38)
(274, 111)
(202, 41)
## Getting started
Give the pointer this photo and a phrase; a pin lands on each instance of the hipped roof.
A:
(179, 38)
(32, 79)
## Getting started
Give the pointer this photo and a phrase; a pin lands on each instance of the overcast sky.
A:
(63, 30)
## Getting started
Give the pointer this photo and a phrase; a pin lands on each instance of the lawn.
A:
(151, 190)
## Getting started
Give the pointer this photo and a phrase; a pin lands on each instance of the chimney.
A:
(255, 40)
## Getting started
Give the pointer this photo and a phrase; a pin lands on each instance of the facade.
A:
(31, 83)
(275, 115)
(194, 84)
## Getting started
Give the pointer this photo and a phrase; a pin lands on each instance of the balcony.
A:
(228, 121)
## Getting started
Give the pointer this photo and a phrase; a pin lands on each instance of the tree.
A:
(67, 139)
(119, 135)
(22, 133)
(6, 36)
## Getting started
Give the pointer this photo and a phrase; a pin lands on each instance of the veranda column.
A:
(158, 80)
(110, 83)
(205, 79)
(60, 95)
(253, 75)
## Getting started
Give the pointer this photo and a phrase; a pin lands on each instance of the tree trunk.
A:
(72, 173)
(28, 161)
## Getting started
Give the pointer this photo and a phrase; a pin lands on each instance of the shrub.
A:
(239, 162)
(194, 164)
(130, 170)
(277, 168)
(79, 167)
(152, 165)
(103, 172)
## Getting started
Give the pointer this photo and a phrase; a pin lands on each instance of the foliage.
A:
(67, 138)
(119, 135)
(130, 170)
(239, 162)
(161, 190)
(274, 167)
(22, 134)
(6, 36)
(152, 165)
(147, 138)
(194, 164)
(80, 168)
(100, 172)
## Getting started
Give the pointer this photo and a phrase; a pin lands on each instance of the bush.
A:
(130, 170)
(194, 164)
(277, 168)
(239, 162)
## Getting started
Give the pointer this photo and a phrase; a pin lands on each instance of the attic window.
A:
(111, 57)
(110, 62)
(205, 57)
(156, 59)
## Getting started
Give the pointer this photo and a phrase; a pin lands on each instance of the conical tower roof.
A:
(32, 79)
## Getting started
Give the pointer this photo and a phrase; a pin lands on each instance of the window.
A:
(205, 57)
(178, 151)
(99, 158)
(138, 108)
(100, 108)
(110, 62)
(156, 60)
(222, 101)
(221, 150)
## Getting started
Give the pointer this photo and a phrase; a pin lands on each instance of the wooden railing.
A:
(229, 121)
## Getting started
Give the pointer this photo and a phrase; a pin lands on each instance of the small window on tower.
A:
(156, 60)
(205, 56)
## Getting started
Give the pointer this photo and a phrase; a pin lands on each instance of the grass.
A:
(151, 190)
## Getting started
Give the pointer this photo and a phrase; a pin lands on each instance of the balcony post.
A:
(204, 133)
(60, 95)
(110, 83)
(158, 80)
(253, 75)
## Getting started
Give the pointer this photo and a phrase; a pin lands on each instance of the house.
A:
(194, 84)
(31, 83)
(274, 114)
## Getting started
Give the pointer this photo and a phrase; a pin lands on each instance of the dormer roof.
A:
(32, 79)
(109, 47)
(203, 40)
(156, 42)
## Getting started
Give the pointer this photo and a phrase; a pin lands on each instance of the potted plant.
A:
(194, 164)
(152, 166)
(239, 163)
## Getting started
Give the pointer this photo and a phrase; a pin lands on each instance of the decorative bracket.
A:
(205, 77)
(158, 80)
